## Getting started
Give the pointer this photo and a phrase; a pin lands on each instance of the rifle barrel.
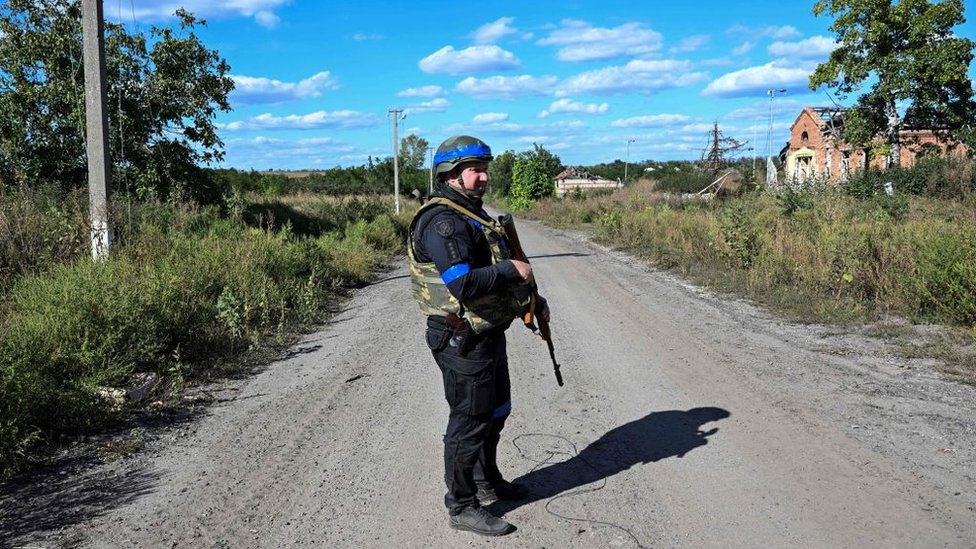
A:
(508, 225)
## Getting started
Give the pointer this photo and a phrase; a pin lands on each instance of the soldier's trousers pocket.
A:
(469, 385)
(437, 339)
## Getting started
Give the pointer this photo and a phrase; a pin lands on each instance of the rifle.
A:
(530, 318)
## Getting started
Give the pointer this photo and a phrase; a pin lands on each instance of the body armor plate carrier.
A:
(483, 313)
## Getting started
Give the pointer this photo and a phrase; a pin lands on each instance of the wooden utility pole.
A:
(397, 116)
(627, 162)
(430, 190)
(96, 97)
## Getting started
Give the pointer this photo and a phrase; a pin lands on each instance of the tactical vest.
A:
(482, 313)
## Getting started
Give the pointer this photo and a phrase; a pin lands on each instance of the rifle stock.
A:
(530, 318)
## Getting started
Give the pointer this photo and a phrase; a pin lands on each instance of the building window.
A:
(804, 137)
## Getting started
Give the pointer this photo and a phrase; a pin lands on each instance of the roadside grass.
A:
(811, 257)
(40, 228)
(953, 347)
(186, 292)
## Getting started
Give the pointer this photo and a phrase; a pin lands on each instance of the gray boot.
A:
(480, 521)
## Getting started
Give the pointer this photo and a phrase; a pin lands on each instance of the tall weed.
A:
(820, 254)
(184, 290)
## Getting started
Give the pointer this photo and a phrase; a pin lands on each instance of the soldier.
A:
(471, 291)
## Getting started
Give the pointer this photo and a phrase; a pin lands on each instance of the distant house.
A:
(816, 148)
(578, 178)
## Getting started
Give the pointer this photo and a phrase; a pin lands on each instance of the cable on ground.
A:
(539, 463)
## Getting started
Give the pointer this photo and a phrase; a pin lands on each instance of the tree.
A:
(413, 152)
(553, 165)
(530, 180)
(500, 173)
(163, 99)
(909, 54)
(614, 171)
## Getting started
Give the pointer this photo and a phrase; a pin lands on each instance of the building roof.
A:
(825, 117)
(577, 172)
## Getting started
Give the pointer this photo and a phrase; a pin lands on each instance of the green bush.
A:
(741, 231)
(930, 176)
(40, 229)
(530, 181)
(945, 280)
(790, 201)
(681, 181)
(184, 290)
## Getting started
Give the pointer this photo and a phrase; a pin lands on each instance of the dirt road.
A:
(687, 420)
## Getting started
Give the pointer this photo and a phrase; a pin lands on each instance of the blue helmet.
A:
(459, 149)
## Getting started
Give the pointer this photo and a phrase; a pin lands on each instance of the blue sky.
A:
(316, 79)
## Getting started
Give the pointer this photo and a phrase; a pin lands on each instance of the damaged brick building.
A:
(816, 148)
(577, 178)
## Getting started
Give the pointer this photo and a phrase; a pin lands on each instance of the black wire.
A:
(574, 454)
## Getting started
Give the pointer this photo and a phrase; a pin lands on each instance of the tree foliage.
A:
(530, 180)
(413, 152)
(163, 91)
(500, 173)
(907, 52)
(551, 162)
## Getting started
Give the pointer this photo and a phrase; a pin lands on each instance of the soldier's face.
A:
(473, 179)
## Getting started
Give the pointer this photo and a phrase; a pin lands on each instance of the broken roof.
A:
(576, 172)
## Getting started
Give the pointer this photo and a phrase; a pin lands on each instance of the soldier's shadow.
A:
(656, 436)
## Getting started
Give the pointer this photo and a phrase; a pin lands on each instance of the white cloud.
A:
(490, 118)
(530, 139)
(716, 62)
(263, 153)
(492, 32)
(690, 43)
(506, 87)
(784, 32)
(568, 105)
(315, 120)
(699, 128)
(815, 47)
(473, 60)
(362, 36)
(780, 33)
(756, 80)
(637, 76)
(256, 90)
(435, 105)
(651, 120)
(422, 91)
(581, 41)
(743, 48)
(562, 129)
(759, 110)
(261, 10)
(267, 19)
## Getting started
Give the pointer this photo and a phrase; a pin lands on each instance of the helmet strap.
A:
(456, 175)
